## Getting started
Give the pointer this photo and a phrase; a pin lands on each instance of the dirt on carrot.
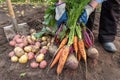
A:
(57, 57)
(75, 44)
(82, 49)
(63, 59)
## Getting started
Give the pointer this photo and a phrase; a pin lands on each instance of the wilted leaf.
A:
(22, 74)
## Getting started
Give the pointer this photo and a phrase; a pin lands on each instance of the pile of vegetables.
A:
(30, 48)
(73, 40)
(76, 35)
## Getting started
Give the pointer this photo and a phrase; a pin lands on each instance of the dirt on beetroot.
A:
(107, 68)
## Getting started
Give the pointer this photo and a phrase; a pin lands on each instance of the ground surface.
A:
(108, 67)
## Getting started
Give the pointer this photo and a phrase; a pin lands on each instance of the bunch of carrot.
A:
(61, 55)
(74, 37)
(64, 49)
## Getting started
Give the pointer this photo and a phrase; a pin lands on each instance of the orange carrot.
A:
(82, 49)
(75, 44)
(59, 51)
(63, 59)
(79, 56)
(57, 57)
(64, 41)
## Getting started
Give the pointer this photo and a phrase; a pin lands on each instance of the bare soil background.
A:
(108, 67)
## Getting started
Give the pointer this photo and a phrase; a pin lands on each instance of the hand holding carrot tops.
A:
(89, 8)
(61, 14)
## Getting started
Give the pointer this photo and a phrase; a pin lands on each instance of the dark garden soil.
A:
(108, 67)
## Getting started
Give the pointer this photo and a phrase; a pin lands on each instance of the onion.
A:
(12, 43)
(34, 64)
(43, 64)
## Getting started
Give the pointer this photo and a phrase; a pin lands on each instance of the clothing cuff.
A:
(99, 1)
(57, 4)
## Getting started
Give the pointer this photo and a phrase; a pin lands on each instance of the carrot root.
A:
(63, 59)
(75, 44)
(57, 57)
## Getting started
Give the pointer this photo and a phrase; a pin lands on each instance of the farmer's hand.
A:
(88, 10)
(85, 15)
(61, 14)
